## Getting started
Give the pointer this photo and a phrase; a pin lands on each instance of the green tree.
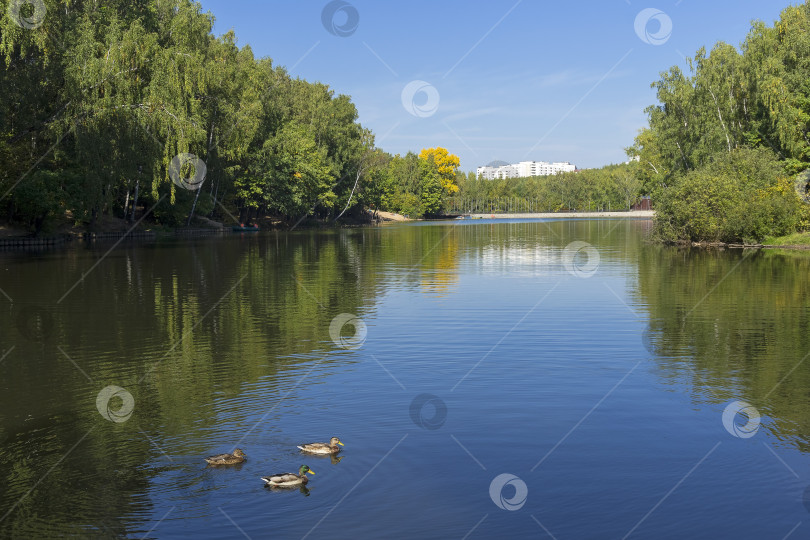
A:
(432, 190)
(741, 196)
(290, 176)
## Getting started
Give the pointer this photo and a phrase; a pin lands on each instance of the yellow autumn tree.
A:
(447, 165)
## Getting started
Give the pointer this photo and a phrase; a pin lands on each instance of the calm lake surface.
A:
(594, 377)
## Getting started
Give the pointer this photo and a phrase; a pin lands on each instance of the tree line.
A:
(136, 110)
(727, 146)
(613, 187)
(123, 108)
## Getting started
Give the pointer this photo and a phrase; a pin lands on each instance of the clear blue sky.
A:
(541, 80)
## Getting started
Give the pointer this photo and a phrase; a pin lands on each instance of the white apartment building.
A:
(523, 169)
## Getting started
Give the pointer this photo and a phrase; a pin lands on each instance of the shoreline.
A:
(724, 245)
(15, 242)
(635, 214)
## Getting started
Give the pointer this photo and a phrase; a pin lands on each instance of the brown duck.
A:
(227, 459)
(323, 448)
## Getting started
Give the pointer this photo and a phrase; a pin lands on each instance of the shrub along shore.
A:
(727, 151)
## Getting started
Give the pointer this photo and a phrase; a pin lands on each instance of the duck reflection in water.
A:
(304, 490)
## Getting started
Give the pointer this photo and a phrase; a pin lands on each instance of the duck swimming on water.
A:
(323, 448)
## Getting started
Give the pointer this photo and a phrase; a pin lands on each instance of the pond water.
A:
(557, 379)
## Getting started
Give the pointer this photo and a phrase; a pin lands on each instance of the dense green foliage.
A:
(614, 187)
(754, 97)
(100, 98)
(742, 196)
(412, 185)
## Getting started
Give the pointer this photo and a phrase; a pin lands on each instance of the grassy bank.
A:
(795, 239)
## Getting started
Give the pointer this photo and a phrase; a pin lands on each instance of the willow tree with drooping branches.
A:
(103, 96)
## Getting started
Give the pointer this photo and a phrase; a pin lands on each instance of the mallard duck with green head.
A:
(288, 479)
(322, 448)
(227, 459)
